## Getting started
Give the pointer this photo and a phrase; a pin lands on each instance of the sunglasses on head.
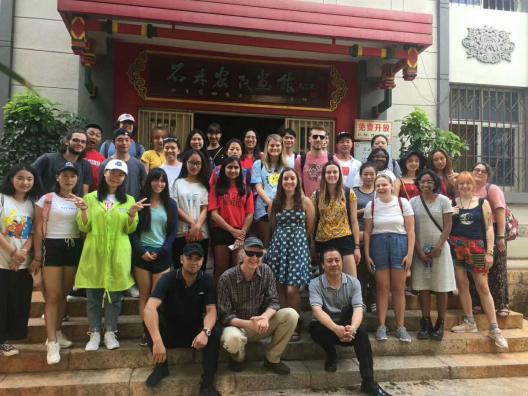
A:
(250, 253)
(170, 139)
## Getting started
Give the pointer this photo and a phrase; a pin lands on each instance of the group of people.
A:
(103, 219)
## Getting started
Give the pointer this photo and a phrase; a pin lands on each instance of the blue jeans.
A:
(94, 307)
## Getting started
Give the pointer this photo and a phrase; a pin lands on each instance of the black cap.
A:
(121, 132)
(193, 248)
(68, 166)
(344, 134)
(253, 241)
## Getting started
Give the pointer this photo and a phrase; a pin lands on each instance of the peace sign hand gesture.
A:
(138, 207)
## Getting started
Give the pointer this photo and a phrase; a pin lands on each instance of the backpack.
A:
(511, 231)
(347, 203)
(108, 142)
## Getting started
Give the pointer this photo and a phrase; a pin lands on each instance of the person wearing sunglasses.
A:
(72, 150)
(310, 165)
(248, 307)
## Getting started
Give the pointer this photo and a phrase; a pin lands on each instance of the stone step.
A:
(33, 356)
(130, 326)
(309, 374)
(77, 306)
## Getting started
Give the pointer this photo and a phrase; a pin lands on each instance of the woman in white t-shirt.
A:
(389, 243)
(58, 247)
(171, 150)
(191, 193)
(18, 192)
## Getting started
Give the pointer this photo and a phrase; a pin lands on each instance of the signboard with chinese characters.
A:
(229, 80)
(367, 129)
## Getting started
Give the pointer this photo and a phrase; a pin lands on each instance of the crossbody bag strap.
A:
(430, 215)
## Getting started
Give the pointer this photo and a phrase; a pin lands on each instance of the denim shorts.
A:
(388, 250)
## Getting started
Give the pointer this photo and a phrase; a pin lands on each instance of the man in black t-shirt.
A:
(174, 317)
(47, 165)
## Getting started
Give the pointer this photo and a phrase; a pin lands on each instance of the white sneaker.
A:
(53, 356)
(110, 340)
(62, 340)
(133, 292)
(500, 341)
(95, 341)
(465, 327)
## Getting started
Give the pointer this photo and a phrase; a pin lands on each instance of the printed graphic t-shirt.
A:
(16, 224)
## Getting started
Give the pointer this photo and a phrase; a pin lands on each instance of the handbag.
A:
(430, 215)
(511, 223)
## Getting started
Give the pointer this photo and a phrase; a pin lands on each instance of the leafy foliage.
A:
(419, 133)
(32, 126)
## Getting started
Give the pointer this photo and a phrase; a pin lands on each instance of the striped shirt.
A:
(240, 298)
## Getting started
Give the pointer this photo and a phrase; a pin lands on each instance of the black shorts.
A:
(344, 245)
(161, 264)
(62, 252)
(219, 236)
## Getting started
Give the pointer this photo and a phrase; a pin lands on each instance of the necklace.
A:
(468, 204)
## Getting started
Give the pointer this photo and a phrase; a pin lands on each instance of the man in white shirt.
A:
(349, 165)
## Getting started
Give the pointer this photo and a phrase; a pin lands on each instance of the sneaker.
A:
(8, 350)
(53, 356)
(403, 335)
(381, 333)
(95, 341)
(110, 340)
(133, 292)
(235, 365)
(161, 370)
(500, 341)
(373, 307)
(63, 341)
(143, 341)
(465, 327)
(277, 368)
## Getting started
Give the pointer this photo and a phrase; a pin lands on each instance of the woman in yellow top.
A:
(107, 216)
(336, 218)
(154, 158)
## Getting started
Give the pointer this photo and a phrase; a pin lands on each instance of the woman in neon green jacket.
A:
(107, 216)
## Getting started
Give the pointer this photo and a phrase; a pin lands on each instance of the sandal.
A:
(295, 336)
(477, 309)
(503, 312)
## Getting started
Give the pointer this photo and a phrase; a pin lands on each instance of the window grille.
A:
(499, 5)
(302, 127)
(493, 122)
(178, 123)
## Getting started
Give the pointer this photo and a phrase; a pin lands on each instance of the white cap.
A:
(126, 117)
(117, 164)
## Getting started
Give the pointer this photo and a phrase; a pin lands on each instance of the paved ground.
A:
(515, 386)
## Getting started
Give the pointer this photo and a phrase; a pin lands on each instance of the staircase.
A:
(124, 371)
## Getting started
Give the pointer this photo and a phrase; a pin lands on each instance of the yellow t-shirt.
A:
(153, 159)
(333, 221)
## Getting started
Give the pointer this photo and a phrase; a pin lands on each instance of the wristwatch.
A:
(207, 331)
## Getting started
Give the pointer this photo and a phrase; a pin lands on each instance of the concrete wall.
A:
(42, 52)
(472, 71)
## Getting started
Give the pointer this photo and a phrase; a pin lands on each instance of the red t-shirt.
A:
(232, 207)
(95, 158)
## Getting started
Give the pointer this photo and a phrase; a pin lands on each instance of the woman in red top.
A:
(411, 165)
(251, 149)
(231, 206)
(442, 164)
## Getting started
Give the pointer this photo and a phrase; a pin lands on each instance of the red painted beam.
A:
(141, 12)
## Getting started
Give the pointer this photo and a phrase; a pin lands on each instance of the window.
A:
(178, 123)
(499, 5)
(493, 122)
(303, 125)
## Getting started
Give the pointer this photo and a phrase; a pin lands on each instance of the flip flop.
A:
(477, 309)
(503, 312)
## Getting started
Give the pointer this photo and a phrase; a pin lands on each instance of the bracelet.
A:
(489, 252)
(24, 250)
(500, 237)
(356, 247)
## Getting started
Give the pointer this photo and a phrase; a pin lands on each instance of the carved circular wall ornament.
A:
(488, 44)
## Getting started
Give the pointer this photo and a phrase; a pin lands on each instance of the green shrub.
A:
(32, 126)
(419, 133)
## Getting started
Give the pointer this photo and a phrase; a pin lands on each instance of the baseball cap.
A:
(120, 132)
(253, 241)
(68, 166)
(344, 134)
(126, 117)
(193, 248)
(118, 165)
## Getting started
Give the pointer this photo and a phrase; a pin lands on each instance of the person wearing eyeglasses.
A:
(248, 307)
(498, 275)
(136, 171)
(173, 167)
(73, 150)
(310, 165)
